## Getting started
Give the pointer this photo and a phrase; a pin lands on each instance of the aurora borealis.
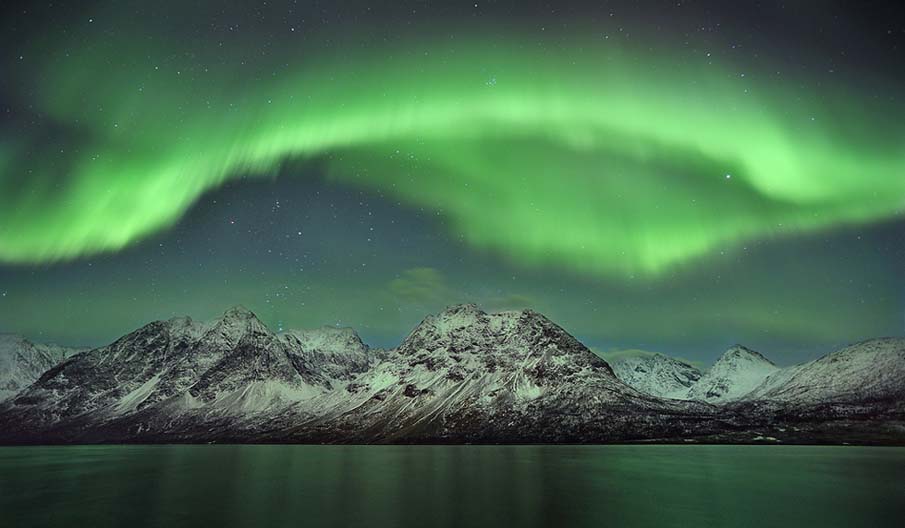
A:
(647, 180)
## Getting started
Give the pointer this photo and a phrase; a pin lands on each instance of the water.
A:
(372, 486)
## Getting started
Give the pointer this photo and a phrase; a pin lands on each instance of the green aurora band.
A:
(604, 161)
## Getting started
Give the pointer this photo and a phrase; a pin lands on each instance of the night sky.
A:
(668, 176)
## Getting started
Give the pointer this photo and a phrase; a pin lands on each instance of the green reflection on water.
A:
(305, 486)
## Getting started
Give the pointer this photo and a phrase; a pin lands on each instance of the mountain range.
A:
(734, 375)
(872, 370)
(461, 376)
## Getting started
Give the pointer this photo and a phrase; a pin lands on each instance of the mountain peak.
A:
(511, 334)
(12, 339)
(736, 373)
(239, 312)
(465, 308)
(528, 313)
(331, 339)
(240, 317)
(654, 373)
(737, 351)
(225, 333)
(22, 362)
(868, 370)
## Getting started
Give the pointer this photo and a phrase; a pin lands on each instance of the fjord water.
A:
(421, 486)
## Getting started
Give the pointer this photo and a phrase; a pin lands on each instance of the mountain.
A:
(869, 371)
(468, 376)
(461, 376)
(22, 362)
(231, 366)
(338, 353)
(655, 374)
(856, 394)
(736, 373)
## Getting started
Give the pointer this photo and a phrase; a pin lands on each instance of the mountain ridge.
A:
(656, 374)
(22, 362)
(738, 371)
(460, 376)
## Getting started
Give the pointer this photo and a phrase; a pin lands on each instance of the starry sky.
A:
(668, 176)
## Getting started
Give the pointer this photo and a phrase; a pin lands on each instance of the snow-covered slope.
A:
(231, 366)
(466, 375)
(337, 353)
(654, 373)
(22, 362)
(462, 375)
(738, 371)
(864, 372)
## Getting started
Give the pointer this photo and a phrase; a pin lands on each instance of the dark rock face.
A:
(461, 376)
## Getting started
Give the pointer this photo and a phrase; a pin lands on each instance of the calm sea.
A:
(414, 486)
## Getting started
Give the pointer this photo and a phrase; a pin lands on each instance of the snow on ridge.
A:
(868, 370)
(461, 359)
(874, 368)
(327, 339)
(736, 373)
(654, 373)
(22, 362)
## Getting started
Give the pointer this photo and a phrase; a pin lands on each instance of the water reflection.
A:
(417, 486)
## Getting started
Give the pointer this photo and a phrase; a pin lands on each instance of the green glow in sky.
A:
(581, 156)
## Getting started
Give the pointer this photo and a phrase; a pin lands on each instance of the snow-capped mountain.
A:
(869, 371)
(233, 365)
(22, 362)
(461, 376)
(466, 375)
(738, 371)
(337, 353)
(654, 373)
